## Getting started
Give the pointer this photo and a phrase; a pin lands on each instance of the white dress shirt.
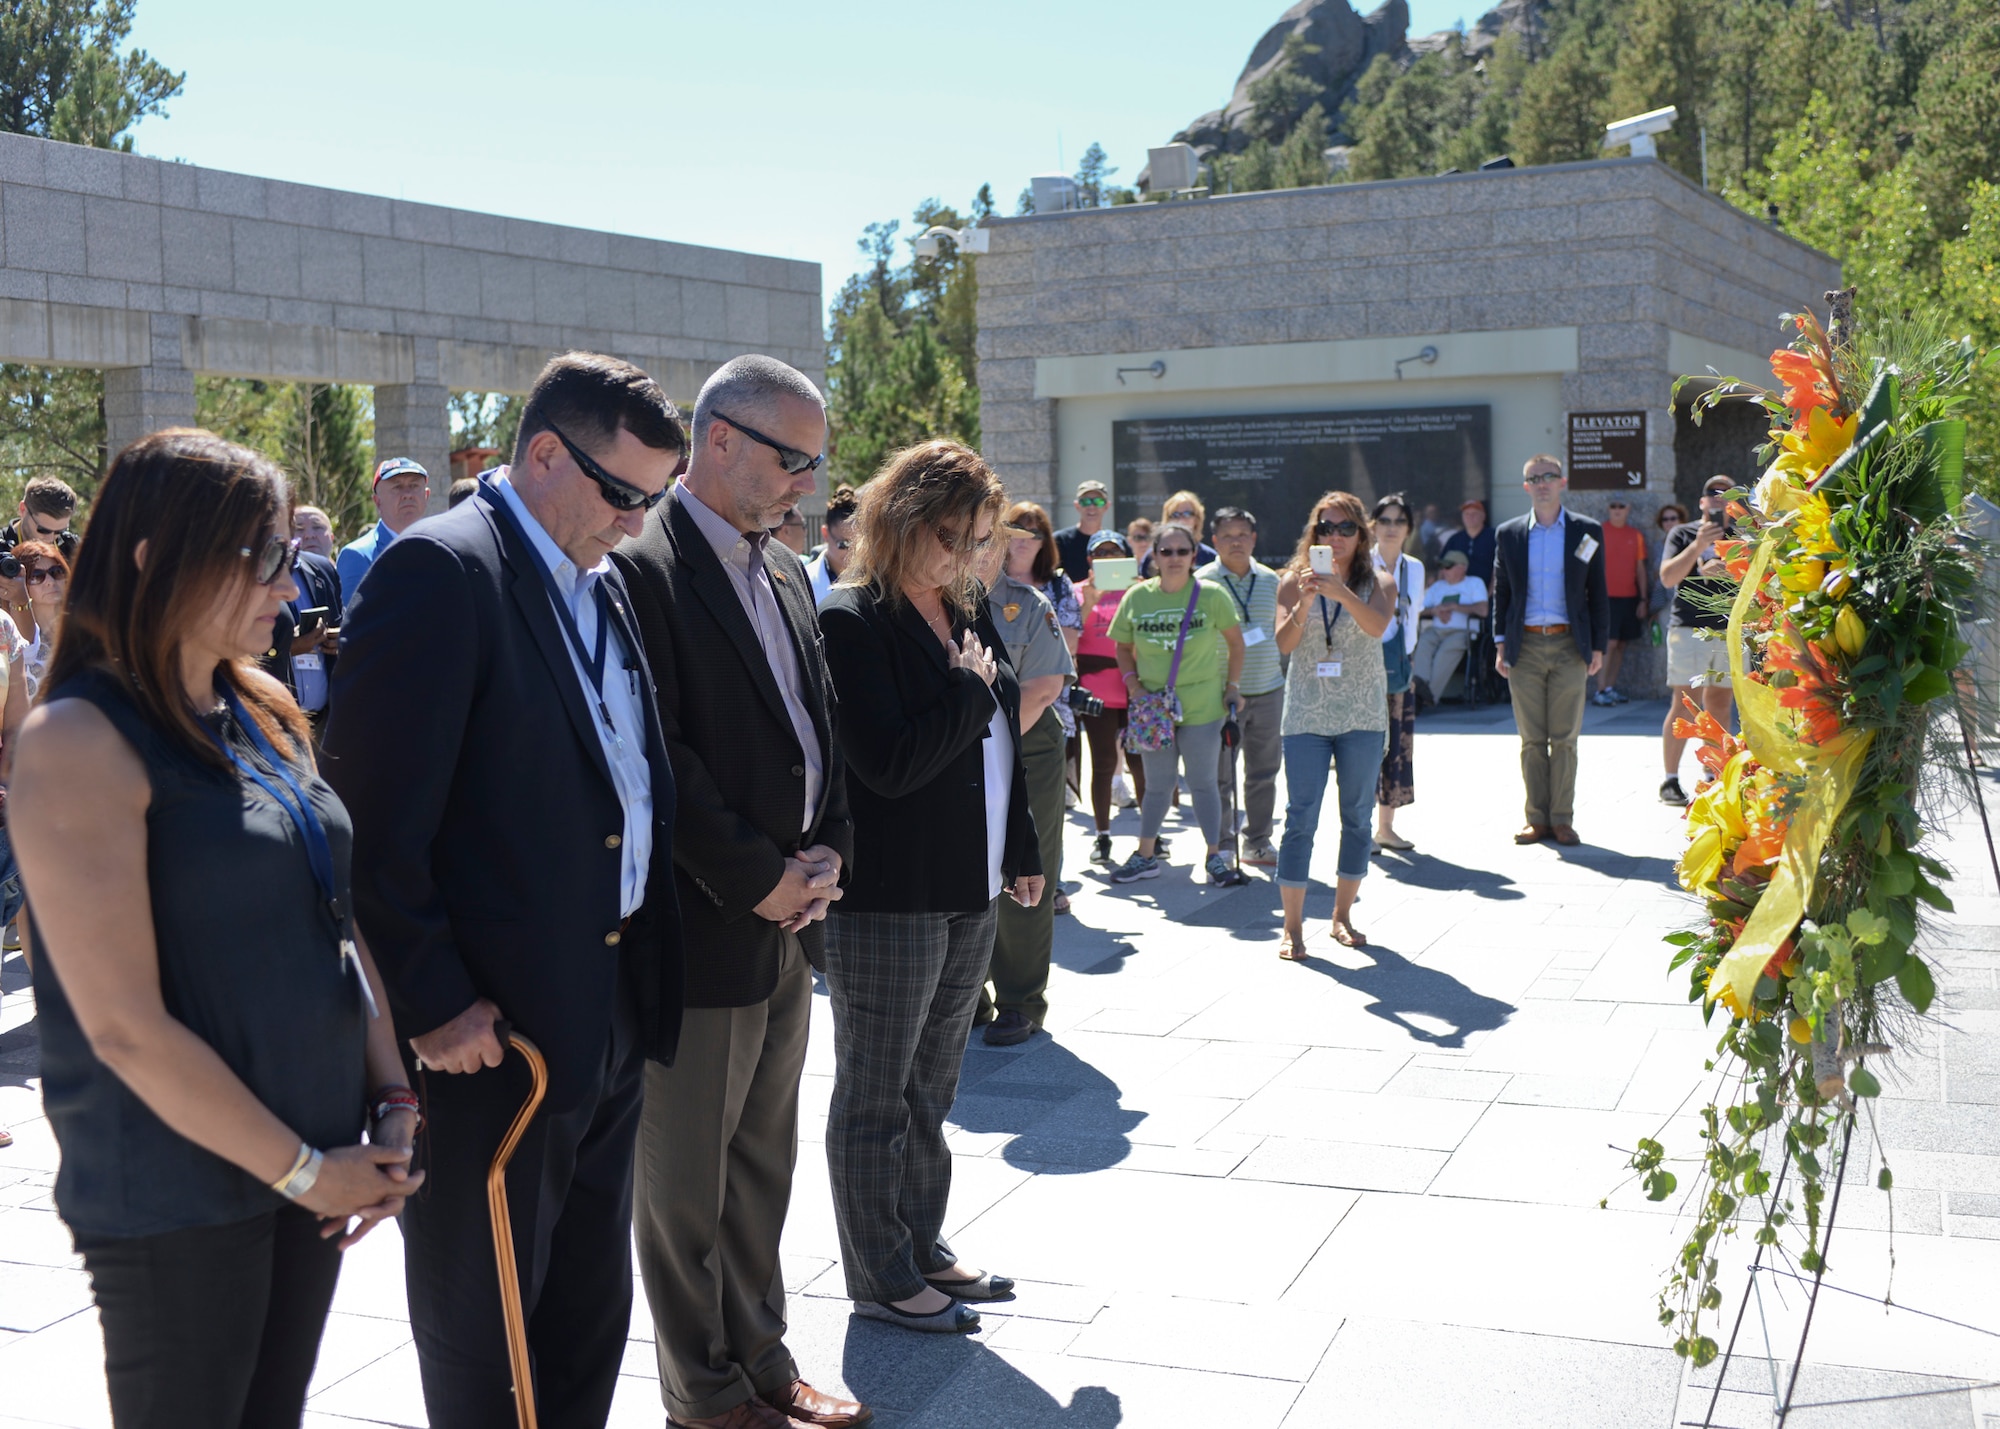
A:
(624, 740)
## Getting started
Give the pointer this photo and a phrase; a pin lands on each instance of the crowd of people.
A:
(605, 757)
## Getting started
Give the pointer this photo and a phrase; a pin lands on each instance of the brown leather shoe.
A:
(815, 1406)
(1532, 834)
(1566, 836)
(752, 1413)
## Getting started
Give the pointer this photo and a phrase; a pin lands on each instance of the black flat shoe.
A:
(953, 1319)
(987, 1286)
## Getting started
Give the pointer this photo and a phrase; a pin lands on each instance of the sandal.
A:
(1347, 935)
(1062, 901)
(1290, 949)
(1394, 841)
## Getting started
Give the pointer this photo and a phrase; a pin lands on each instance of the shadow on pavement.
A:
(1421, 870)
(911, 1377)
(1063, 1114)
(1402, 990)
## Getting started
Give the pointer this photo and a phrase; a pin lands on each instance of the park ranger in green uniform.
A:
(1025, 939)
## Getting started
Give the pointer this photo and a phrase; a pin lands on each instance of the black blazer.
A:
(1583, 584)
(912, 727)
(486, 825)
(319, 585)
(738, 770)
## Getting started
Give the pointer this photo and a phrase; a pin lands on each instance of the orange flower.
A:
(1760, 849)
(1801, 378)
(1815, 693)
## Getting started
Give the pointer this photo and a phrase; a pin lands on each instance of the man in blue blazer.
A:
(1553, 614)
(495, 738)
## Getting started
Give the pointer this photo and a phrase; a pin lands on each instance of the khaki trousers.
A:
(717, 1143)
(1025, 939)
(1547, 686)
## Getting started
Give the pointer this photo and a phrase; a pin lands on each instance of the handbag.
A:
(1152, 714)
(1396, 649)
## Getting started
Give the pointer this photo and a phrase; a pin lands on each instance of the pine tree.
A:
(1281, 97)
(1561, 117)
(1663, 60)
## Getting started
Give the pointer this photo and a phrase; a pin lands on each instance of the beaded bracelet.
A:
(388, 1099)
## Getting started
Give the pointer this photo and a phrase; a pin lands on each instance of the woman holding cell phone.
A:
(1332, 613)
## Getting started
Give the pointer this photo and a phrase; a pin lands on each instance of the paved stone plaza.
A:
(1362, 1191)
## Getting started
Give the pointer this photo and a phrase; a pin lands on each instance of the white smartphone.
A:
(1322, 560)
(1114, 573)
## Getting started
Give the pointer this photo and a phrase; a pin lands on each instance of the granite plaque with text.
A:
(1277, 464)
(1607, 451)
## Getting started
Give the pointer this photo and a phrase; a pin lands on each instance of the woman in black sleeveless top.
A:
(209, 1055)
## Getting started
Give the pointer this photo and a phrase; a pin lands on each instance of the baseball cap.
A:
(1097, 486)
(396, 466)
(1108, 538)
(1454, 558)
(1471, 502)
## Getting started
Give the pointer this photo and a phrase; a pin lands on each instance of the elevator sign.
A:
(1607, 451)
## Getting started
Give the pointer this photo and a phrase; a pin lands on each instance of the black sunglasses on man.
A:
(619, 494)
(791, 459)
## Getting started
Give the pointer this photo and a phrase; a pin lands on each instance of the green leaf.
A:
(1884, 1180)
(1914, 978)
(1933, 895)
(1867, 927)
(1895, 875)
(1880, 963)
(1926, 684)
(1660, 1185)
(1682, 939)
(1862, 1083)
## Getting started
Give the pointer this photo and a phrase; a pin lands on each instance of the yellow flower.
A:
(1801, 1031)
(1813, 526)
(1816, 448)
(1848, 632)
(1702, 863)
(1839, 580)
(1802, 577)
(1777, 493)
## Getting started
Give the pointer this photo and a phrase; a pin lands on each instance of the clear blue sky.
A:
(775, 126)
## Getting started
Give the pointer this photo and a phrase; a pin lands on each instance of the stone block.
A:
(21, 160)
(91, 292)
(656, 303)
(392, 273)
(185, 302)
(1453, 232)
(506, 287)
(419, 222)
(748, 315)
(704, 310)
(195, 249)
(1412, 315)
(582, 246)
(417, 323)
(76, 169)
(451, 281)
(559, 294)
(234, 305)
(1621, 343)
(360, 318)
(18, 283)
(635, 255)
(44, 229)
(238, 195)
(1370, 238)
(139, 180)
(331, 267)
(1360, 282)
(1067, 265)
(530, 240)
(795, 320)
(366, 214)
(1617, 218)
(306, 205)
(1326, 322)
(486, 232)
(1070, 303)
(610, 299)
(265, 257)
(301, 312)
(122, 239)
(139, 400)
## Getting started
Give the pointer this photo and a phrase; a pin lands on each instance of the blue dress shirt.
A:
(360, 553)
(1548, 593)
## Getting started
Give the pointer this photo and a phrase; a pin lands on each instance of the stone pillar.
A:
(141, 400)
(411, 420)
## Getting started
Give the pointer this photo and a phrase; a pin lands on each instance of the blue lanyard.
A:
(591, 660)
(1329, 621)
(319, 849)
(1242, 601)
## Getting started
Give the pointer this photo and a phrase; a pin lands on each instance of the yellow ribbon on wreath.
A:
(1834, 771)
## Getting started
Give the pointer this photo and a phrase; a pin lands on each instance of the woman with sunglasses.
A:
(211, 1046)
(1182, 509)
(929, 706)
(1396, 786)
(45, 577)
(1175, 634)
(1661, 600)
(1332, 612)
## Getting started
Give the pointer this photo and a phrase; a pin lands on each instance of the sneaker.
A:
(1069, 798)
(1619, 697)
(1261, 853)
(1604, 699)
(1100, 852)
(1121, 792)
(1671, 792)
(1160, 848)
(1223, 874)
(1136, 867)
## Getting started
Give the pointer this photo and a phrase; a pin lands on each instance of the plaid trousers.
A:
(903, 987)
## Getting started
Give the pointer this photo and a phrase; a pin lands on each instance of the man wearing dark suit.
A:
(760, 838)
(495, 739)
(1553, 614)
(304, 663)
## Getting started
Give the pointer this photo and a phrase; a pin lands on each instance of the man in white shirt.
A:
(1451, 603)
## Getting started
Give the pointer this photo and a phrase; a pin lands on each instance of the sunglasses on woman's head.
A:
(272, 559)
(1336, 528)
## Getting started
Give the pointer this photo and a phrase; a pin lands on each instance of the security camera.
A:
(1638, 131)
(969, 240)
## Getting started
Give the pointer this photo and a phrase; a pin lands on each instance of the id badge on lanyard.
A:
(1329, 668)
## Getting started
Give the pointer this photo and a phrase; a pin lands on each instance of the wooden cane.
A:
(503, 1229)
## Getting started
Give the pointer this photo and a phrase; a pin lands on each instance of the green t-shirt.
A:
(1149, 620)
